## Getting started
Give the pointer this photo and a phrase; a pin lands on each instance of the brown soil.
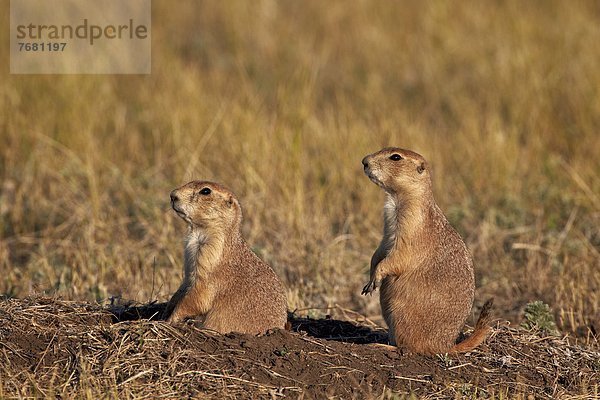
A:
(54, 348)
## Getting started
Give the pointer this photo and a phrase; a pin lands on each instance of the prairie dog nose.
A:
(174, 197)
(365, 162)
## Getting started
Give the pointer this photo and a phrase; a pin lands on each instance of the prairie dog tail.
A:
(482, 329)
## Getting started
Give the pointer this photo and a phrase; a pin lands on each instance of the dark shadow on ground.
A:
(341, 331)
(326, 328)
(127, 312)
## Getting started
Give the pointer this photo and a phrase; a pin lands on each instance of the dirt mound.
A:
(55, 348)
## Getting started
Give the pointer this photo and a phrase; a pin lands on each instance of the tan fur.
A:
(225, 284)
(422, 264)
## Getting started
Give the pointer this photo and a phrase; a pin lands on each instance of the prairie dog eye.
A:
(205, 191)
(395, 157)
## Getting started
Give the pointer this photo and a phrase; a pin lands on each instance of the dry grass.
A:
(280, 101)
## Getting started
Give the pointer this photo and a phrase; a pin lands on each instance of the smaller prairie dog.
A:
(225, 283)
(422, 263)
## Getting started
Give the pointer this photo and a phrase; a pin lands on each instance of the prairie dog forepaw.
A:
(370, 287)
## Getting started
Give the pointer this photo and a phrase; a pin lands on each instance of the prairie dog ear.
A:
(230, 201)
(421, 168)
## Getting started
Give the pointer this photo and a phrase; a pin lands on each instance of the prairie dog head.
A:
(398, 171)
(206, 206)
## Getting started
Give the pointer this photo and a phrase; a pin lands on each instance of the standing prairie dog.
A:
(422, 263)
(224, 282)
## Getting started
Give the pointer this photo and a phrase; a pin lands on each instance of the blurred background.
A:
(280, 100)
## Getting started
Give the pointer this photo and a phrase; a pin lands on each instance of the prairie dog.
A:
(422, 264)
(224, 283)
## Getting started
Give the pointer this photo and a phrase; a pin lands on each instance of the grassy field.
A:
(280, 101)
